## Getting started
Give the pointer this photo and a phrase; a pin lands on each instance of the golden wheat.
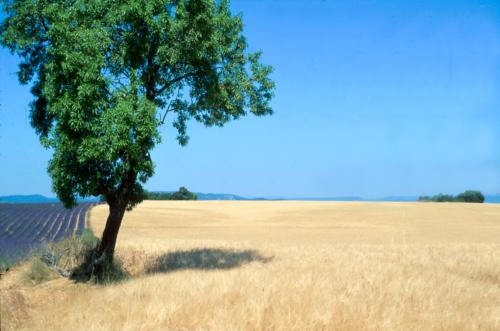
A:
(283, 266)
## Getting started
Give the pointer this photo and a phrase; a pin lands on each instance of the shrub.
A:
(444, 198)
(467, 196)
(65, 255)
(182, 194)
(471, 196)
(70, 257)
(89, 240)
(38, 272)
(74, 256)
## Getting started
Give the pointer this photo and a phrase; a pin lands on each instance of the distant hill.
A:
(33, 198)
(219, 196)
(398, 198)
(224, 196)
(489, 198)
(353, 198)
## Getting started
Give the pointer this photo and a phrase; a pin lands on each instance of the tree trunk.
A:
(98, 262)
(106, 248)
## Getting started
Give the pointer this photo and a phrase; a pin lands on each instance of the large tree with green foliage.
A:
(106, 74)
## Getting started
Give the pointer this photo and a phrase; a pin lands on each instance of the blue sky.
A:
(373, 98)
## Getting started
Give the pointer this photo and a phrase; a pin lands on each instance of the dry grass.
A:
(283, 266)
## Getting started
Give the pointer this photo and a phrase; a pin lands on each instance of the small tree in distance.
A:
(105, 74)
(467, 196)
(182, 194)
(471, 196)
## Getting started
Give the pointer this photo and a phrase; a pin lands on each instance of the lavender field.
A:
(23, 227)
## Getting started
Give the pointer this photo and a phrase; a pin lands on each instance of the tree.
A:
(105, 74)
(471, 196)
(183, 194)
(467, 196)
(444, 198)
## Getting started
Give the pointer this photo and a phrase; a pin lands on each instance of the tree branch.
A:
(168, 107)
(175, 80)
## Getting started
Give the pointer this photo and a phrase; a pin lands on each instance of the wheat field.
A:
(284, 265)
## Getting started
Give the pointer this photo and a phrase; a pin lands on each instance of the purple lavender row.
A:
(25, 225)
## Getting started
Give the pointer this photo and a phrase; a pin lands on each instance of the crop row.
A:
(24, 226)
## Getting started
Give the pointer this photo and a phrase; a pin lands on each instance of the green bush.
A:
(467, 196)
(66, 255)
(471, 196)
(38, 272)
(182, 194)
(71, 256)
(88, 239)
(444, 198)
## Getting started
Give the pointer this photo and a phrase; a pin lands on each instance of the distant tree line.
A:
(467, 196)
(182, 194)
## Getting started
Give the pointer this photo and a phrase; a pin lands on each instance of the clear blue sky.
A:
(373, 98)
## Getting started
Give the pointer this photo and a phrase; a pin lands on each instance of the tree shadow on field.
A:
(205, 259)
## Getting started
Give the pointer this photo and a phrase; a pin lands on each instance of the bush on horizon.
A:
(467, 196)
(182, 194)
